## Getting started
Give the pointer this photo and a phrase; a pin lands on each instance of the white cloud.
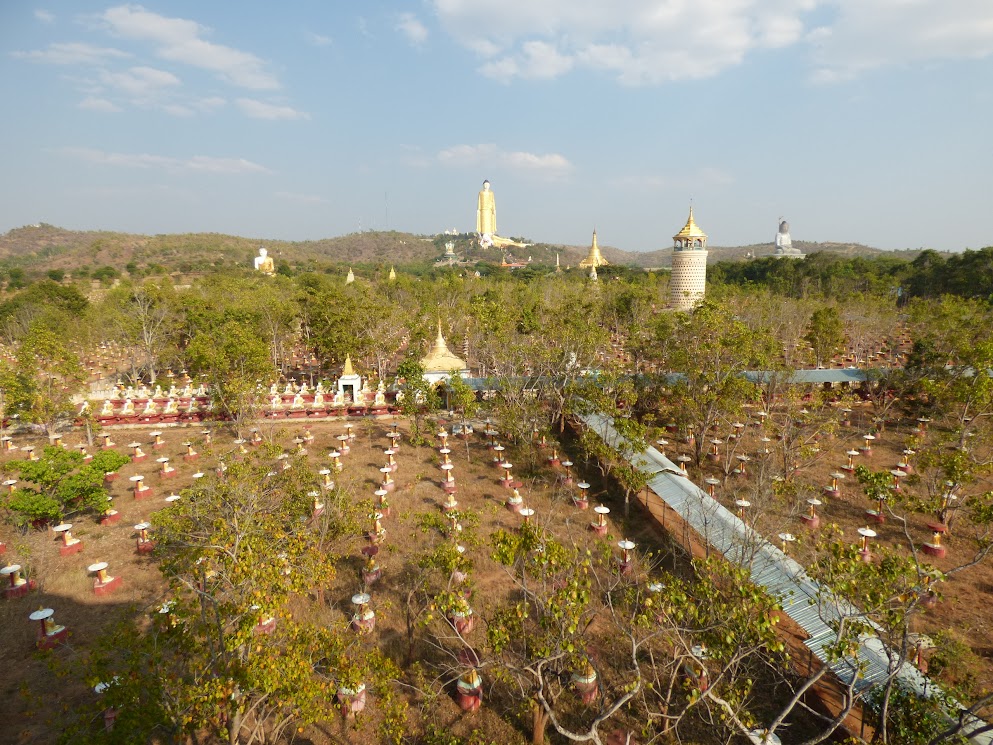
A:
(94, 103)
(549, 164)
(200, 163)
(873, 33)
(139, 82)
(72, 53)
(181, 40)
(318, 40)
(301, 198)
(44, 16)
(415, 31)
(261, 110)
(646, 42)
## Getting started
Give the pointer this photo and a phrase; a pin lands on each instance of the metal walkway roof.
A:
(814, 607)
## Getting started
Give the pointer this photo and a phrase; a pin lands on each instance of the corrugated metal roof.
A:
(814, 607)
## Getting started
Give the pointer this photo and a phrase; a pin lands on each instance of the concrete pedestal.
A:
(105, 588)
(72, 548)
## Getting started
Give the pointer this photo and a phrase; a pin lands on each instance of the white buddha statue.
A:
(784, 244)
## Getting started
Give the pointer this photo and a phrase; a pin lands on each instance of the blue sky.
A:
(857, 120)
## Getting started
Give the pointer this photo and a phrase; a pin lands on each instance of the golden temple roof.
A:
(595, 258)
(691, 231)
(347, 370)
(440, 359)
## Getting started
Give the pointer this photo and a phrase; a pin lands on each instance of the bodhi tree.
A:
(46, 374)
(416, 396)
(236, 362)
(712, 352)
(235, 651)
(64, 484)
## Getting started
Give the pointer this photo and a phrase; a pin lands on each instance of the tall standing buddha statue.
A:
(486, 225)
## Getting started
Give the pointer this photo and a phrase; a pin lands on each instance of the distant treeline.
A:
(931, 274)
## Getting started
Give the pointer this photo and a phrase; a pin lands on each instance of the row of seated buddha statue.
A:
(293, 400)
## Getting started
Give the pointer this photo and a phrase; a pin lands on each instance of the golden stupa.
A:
(348, 370)
(595, 258)
(690, 234)
(440, 359)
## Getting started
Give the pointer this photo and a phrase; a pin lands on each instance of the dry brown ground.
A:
(33, 697)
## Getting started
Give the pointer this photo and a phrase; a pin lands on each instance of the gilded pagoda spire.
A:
(348, 369)
(595, 258)
(440, 358)
(691, 234)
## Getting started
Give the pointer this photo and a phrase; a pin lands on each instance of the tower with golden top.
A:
(688, 281)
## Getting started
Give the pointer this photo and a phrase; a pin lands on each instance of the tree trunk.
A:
(539, 720)
(234, 727)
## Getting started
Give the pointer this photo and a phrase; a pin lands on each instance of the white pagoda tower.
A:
(688, 281)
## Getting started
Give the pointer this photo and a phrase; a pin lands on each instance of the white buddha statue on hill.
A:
(784, 244)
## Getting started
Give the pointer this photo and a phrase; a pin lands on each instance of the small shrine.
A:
(349, 384)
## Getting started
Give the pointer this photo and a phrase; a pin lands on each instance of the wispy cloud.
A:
(301, 198)
(44, 16)
(318, 40)
(410, 26)
(872, 34)
(636, 182)
(94, 103)
(261, 110)
(197, 163)
(548, 164)
(181, 40)
(71, 53)
(139, 82)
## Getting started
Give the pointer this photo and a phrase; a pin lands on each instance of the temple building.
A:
(439, 363)
(688, 281)
(595, 258)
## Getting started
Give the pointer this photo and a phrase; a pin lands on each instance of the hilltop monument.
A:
(784, 244)
(595, 258)
(263, 262)
(486, 224)
(688, 281)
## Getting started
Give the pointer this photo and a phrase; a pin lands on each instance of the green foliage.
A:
(46, 374)
(65, 485)
(234, 550)
(916, 720)
(236, 363)
(825, 333)
(416, 396)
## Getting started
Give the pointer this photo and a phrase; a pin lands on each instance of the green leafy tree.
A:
(712, 351)
(236, 363)
(46, 374)
(235, 550)
(417, 397)
(64, 484)
(825, 334)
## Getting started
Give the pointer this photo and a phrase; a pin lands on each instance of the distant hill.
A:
(43, 247)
